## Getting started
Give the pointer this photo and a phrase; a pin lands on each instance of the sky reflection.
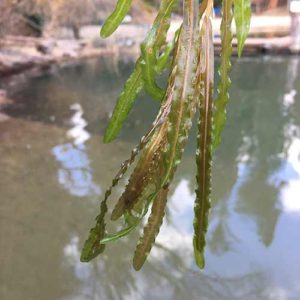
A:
(50, 193)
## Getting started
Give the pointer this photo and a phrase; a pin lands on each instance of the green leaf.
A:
(242, 17)
(120, 234)
(151, 46)
(116, 18)
(132, 88)
(151, 230)
(183, 104)
(163, 59)
(135, 221)
(156, 37)
(204, 140)
(142, 176)
(224, 69)
(149, 72)
(92, 246)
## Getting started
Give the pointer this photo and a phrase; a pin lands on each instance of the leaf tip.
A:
(108, 137)
(83, 259)
(199, 255)
(137, 266)
(240, 50)
(138, 261)
(102, 35)
(199, 258)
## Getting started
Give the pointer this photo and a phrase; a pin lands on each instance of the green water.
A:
(54, 169)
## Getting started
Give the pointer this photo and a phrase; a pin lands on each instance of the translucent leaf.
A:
(132, 88)
(204, 140)
(224, 69)
(242, 17)
(151, 230)
(183, 104)
(151, 46)
(135, 221)
(92, 246)
(156, 38)
(163, 59)
(143, 175)
(116, 18)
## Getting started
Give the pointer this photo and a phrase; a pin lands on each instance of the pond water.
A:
(55, 169)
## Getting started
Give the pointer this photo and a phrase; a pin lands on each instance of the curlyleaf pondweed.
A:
(190, 86)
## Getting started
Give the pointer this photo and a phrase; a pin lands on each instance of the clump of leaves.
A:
(190, 86)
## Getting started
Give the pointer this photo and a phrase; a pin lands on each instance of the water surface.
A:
(55, 168)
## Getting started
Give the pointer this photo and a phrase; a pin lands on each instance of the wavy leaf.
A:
(134, 222)
(242, 17)
(184, 95)
(151, 230)
(92, 246)
(137, 184)
(204, 139)
(125, 101)
(150, 48)
(116, 18)
(183, 106)
(224, 69)
(163, 59)
(190, 82)
(181, 112)
(148, 73)
(156, 37)
(143, 175)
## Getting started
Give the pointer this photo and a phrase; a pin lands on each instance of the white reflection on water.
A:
(288, 176)
(71, 251)
(75, 174)
(78, 133)
(177, 233)
(244, 266)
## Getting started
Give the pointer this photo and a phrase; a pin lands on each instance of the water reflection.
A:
(78, 132)
(75, 173)
(253, 249)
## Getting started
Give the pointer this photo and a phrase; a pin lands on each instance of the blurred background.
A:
(58, 85)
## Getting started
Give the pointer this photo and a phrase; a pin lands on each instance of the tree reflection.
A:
(43, 225)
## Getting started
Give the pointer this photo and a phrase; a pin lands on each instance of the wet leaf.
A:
(92, 246)
(224, 69)
(190, 84)
(132, 88)
(151, 230)
(242, 17)
(143, 175)
(116, 18)
(204, 140)
(183, 106)
(151, 46)
(163, 59)
(155, 39)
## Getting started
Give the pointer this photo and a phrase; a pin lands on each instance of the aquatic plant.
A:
(189, 59)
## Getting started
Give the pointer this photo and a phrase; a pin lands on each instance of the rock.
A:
(45, 46)
(4, 117)
(3, 93)
(3, 98)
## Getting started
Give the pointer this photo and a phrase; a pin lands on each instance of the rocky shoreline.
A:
(18, 54)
